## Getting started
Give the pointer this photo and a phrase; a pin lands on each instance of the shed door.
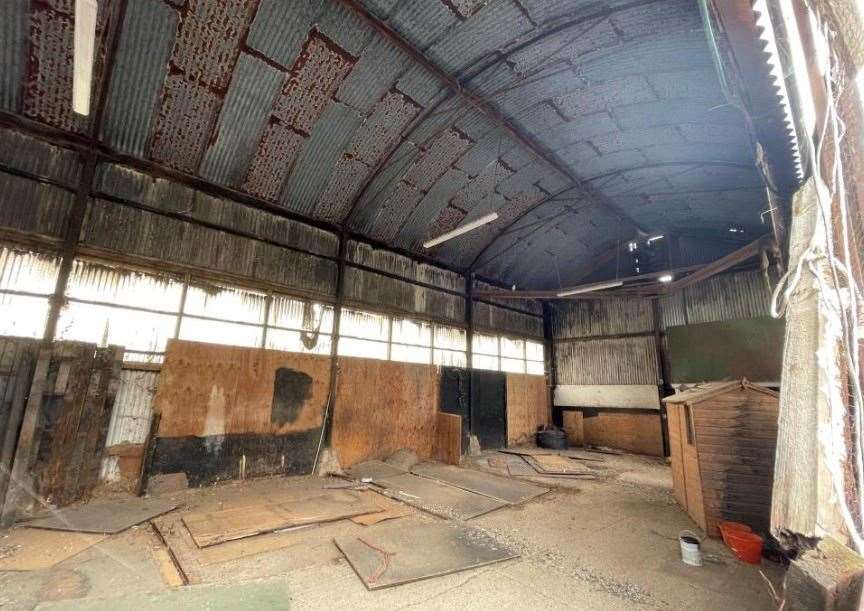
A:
(489, 408)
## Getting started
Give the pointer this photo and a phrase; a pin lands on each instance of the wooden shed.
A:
(722, 437)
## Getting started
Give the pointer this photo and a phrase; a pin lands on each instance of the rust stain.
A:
(437, 158)
(447, 219)
(345, 182)
(276, 154)
(316, 76)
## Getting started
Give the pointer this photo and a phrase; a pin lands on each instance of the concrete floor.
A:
(605, 544)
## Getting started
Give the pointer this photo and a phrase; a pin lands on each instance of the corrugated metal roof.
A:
(388, 261)
(22, 152)
(280, 28)
(422, 23)
(139, 70)
(13, 52)
(247, 105)
(345, 27)
(375, 72)
(34, 207)
(318, 156)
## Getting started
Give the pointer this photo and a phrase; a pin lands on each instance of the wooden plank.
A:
(676, 430)
(389, 510)
(395, 554)
(500, 488)
(24, 363)
(210, 528)
(20, 479)
(384, 406)
(638, 433)
(574, 427)
(448, 438)
(439, 499)
(527, 406)
(557, 465)
(107, 516)
(30, 549)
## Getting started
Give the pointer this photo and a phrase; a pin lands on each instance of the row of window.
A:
(142, 312)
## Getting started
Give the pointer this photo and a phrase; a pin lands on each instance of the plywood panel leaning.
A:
(233, 412)
(574, 427)
(624, 429)
(723, 437)
(448, 438)
(527, 406)
(384, 406)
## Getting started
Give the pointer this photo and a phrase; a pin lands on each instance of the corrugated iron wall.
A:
(723, 297)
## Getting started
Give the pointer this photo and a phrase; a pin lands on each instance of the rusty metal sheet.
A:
(316, 76)
(34, 156)
(273, 161)
(343, 186)
(13, 52)
(422, 23)
(280, 28)
(382, 128)
(375, 72)
(345, 27)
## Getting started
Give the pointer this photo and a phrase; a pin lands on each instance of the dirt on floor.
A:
(604, 543)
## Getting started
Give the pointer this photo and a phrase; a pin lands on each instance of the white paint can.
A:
(691, 548)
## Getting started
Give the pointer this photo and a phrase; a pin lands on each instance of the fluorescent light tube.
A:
(84, 45)
(588, 288)
(483, 220)
(665, 278)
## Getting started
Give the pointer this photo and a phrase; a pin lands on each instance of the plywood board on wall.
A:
(383, 406)
(619, 396)
(209, 390)
(527, 406)
(634, 432)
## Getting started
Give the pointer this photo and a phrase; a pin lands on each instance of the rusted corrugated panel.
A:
(140, 64)
(728, 297)
(489, 29)
(417, 227)
(493, 318)
(530, 306)
(13, 52)
(33, 207)
(375, 72)
(420, 85)
(393, 263)
(159, 193)
(247, 105)
(384, 222)
(155, 237)
(27, 154)
(629, 360)
(672, 310)
(344, 184)
(383, 127)
(596, 317)
(280, 28)
(273, 161)
(318, 156)
(369, 288)
(133, 408)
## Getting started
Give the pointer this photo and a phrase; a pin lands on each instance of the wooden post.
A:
(16, 413)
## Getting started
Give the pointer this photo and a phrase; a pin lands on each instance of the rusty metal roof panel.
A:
(380, 8)
(280, 28)
(489, 29)
(422, 23)
(14, 37)
(244, 113)
(493, 318)
(21, 152)
(33, 207)
(416, 228)
(318, 156)
(375, 72)
(629, 360)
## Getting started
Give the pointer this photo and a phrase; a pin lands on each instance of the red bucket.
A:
(746, 545)
(734, 526)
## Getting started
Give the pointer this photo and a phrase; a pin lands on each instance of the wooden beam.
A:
(753, 249)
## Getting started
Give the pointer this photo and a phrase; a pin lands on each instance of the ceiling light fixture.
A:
(588, 288)
(84, 46)
(666, 278)
(483, 220)
(654, 239)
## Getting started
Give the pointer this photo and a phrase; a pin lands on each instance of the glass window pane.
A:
(130, 356)
(95, 282)
(410, 354)
(23, 316)
(104, 325)
(512, 348)
(407, 331)
(451, 338)
(297, 341)
(362, 347)
(534, 351)
(484, 344)
(298, 314)
(513, 365)
(450, 358)
(225, 303)
(482, 361)
(215, 332)
(28, 272)
(534, 367)
(367, 325)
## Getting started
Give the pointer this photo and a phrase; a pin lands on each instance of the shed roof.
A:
(702, 392)
(311, 106)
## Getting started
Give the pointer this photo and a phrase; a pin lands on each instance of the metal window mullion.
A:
(183, 291)
(389, 338)
(268, 300)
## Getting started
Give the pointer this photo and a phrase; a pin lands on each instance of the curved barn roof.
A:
(579, 122)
